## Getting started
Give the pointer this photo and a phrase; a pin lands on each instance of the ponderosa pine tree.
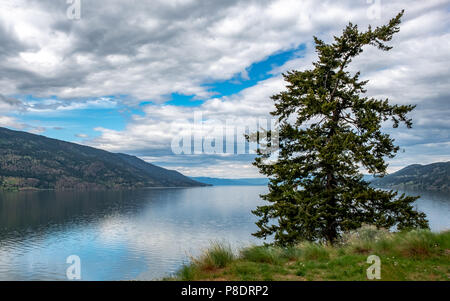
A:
(328, 129)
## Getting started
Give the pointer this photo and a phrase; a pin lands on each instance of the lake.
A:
(142, 234)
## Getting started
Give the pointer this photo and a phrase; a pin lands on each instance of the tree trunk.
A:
(331, 227)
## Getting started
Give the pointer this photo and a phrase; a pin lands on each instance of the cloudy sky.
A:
(128, 76)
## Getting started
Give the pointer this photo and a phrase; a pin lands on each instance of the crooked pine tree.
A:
(328, 129)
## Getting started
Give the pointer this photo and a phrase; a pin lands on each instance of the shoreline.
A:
(31, 189)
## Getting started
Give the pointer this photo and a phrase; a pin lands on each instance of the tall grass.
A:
(217, 256)
(312, 260)
(270, 254)
(187, 272)
(419, 243)
(366, 239)
(262, 254)
(314, 251)
(414, 243)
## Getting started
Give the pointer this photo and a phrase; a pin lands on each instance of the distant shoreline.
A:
(32, 189)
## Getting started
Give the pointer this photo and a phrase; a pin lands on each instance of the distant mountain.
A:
(232, 182)
(33, 161)
(431, 177)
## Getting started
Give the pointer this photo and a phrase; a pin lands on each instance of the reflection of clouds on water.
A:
(150, 233)
(165, 239)
(144, 234)
(41, 255)
(436, 205)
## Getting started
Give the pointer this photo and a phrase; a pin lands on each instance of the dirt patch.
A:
(289, 277)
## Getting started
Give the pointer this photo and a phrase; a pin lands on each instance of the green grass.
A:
(217, 256)
(413, 255)
(261, 254)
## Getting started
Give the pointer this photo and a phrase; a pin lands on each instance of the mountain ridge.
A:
(29, 161)
(430, 177)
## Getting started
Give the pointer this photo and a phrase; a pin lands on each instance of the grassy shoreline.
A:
(414, 255)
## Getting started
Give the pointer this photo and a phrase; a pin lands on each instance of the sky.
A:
(130, 76)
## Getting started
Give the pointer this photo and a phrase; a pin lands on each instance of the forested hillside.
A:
(432, 177)
(33, 161)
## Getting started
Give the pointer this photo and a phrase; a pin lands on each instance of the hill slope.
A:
(432, 177)
(33, 161)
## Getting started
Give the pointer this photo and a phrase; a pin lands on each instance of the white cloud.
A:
(151, 49)
(7, 121)
(162, 123)
(223, 169)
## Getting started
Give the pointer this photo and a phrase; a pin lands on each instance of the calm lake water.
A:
(142, 234)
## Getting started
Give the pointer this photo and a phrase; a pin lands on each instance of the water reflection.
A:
(142, 234)
(437, 207)
(118, 235)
